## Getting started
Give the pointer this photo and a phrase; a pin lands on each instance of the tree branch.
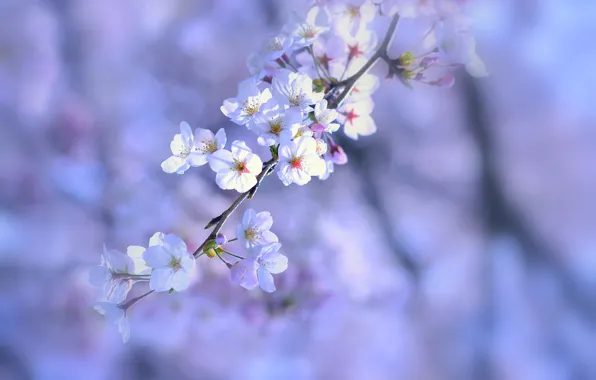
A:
(348, 84)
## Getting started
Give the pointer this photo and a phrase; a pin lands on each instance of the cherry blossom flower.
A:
(236, 169)
(113, 275)
(115, 314)
(328, 52)
(276, 47)
(254, 229)
(295, 91)
(351, 15)
(457, 45)
(324, 118)
(257, 271)
(192, 150)
(172, 264)
(247, 107)
(356, 119)
(299, 160)
(277, 124)
(305, 31)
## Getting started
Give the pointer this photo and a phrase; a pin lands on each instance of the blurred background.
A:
(458, 243)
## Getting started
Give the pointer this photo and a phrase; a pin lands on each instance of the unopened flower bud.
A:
(338, 156)
(221, 239)
(316, 127)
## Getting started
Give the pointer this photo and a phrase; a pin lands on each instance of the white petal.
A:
(157, 256)
(245, 182)
(186, 133)
(188, 263)
(136, 252)
(268, 237)
(227, 180)
(173, 164)
(124, 328)
(203, 136)
(240, 150)
(220, 138)
(254, 164)
(263, 220)
(248, 219)
(221, 161)
(196, 159)
(275, 262)
(180, 280)
(175, 245)
(161, 279)
(244, 274)
(305, 146)
(265, 280)
(157, 239)
(118, 261)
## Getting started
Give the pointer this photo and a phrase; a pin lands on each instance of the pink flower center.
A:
(296, 162)
(241, 168)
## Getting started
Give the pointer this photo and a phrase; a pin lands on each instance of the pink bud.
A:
(316, 127)
(338, 156)
(221, 239)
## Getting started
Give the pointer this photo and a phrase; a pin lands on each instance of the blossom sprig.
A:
(307, 82)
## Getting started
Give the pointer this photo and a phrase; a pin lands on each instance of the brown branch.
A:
(348, 85)
(221, 219)
(381, 53)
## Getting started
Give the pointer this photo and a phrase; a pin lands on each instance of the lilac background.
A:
(457, 244)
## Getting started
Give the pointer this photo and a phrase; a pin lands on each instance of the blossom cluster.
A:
(306, 83)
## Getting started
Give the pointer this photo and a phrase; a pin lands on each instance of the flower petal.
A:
(221, 161)
(265, 280)
(173, 164)
(157, 256)
(180, 280)
(161, 279)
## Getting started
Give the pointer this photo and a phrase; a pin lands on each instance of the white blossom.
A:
(113, 275)
(457, 45)
(247, 107)
(324, 118)
(257, 271)
(192, 150)
(277, 124)
(299, 160)
(351, 15)
(236, 169)
(172, 264)
(305, 31)
(254, 229)
(295, 91)
(115, 314)
(356, 119)
(276, 47)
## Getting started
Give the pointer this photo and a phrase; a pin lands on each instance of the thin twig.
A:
(381, 53)
(220, 220)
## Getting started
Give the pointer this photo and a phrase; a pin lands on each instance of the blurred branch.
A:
(361, 162)
(501, 216)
